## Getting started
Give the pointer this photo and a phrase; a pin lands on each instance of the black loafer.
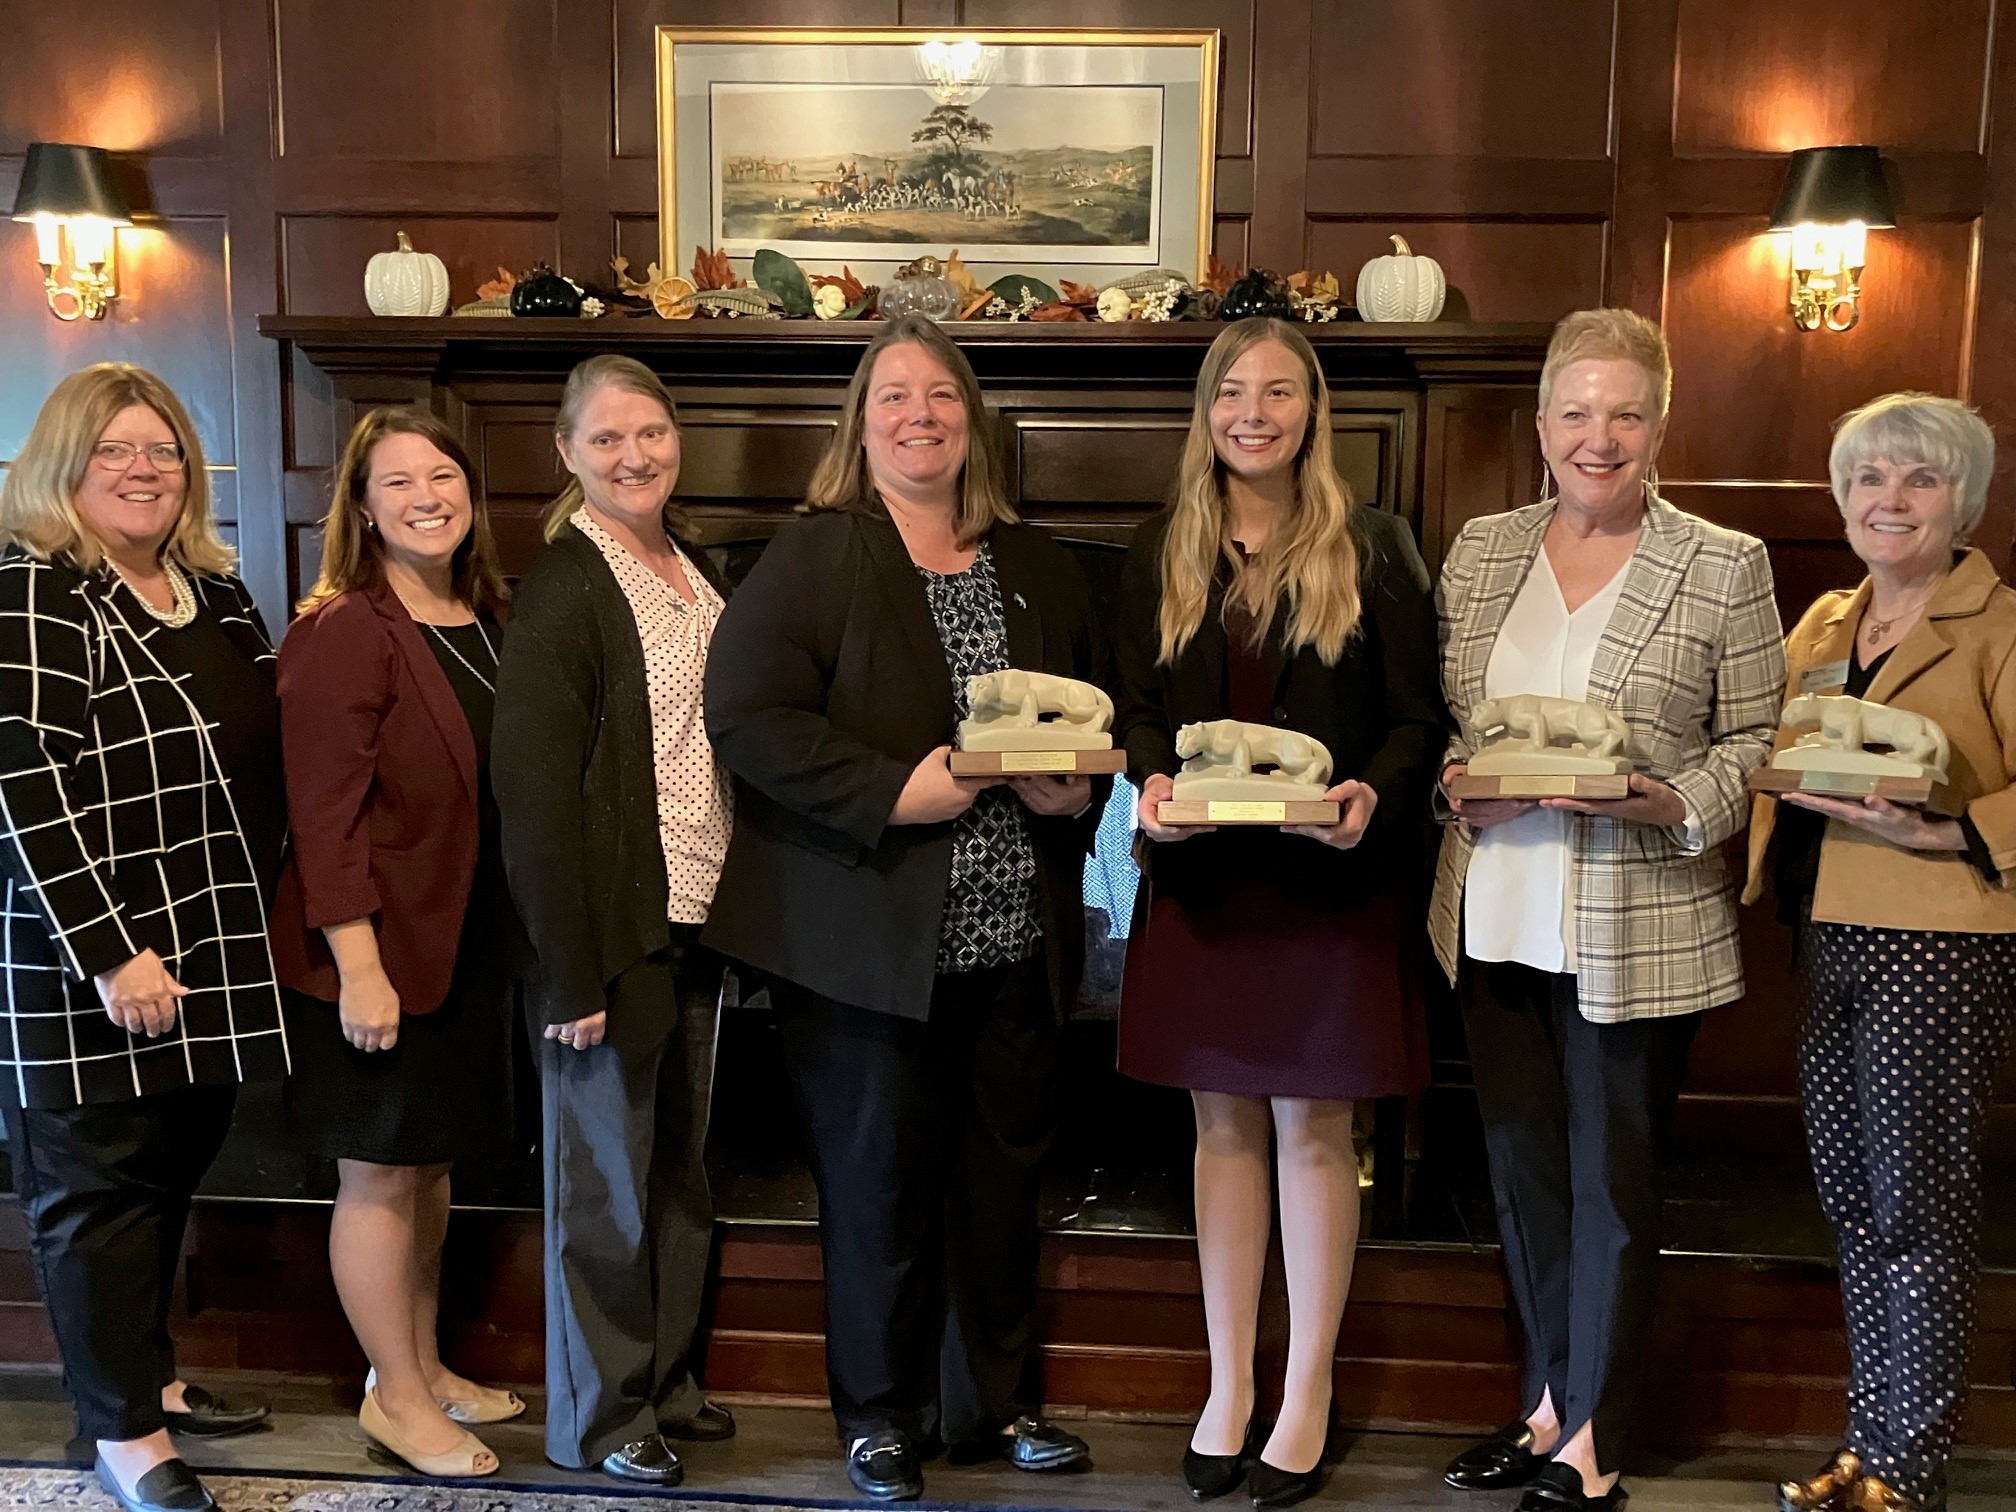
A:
(1283, 1488)
(711, 1424)
(170, 1486)
(1029, 1443)
(649, 1460)
(1504, 1459)
(1558, 1488)
(212, 1416)
(885, 1467)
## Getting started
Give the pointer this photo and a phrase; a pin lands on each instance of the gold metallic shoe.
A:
(1874, 1495)
(1826, 1491)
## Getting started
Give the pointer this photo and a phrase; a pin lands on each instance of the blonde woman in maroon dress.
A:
(1267, 977)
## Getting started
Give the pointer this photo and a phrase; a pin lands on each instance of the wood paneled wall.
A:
(1551, 153)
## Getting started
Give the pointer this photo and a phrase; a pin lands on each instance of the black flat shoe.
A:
(885, 1467)
(710, 1425)
(1283, 1488)
(212, 1416)
(650, 1461)
(1029, 1443)
(170, 1486)
(1504, 1459)
(1558, 1488)
(1212, 1475)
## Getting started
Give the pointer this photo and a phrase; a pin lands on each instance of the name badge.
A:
(1830, 677)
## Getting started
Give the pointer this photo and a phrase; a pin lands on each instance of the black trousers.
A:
(629, 1215)
(1575, 1121)
(926, 1141)
(1903, 1033)
(105, 1189)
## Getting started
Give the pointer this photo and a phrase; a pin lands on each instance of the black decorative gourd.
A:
(544, 292)
(1257, 293)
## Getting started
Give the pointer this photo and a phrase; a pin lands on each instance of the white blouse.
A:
(1519, 896)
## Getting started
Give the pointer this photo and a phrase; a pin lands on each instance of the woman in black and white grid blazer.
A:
(142, 815)
(1586, 938)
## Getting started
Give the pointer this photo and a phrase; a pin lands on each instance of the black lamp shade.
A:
(62, 179)
(1830, 186)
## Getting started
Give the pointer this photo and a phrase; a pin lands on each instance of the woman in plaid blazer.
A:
(143, 816)
(1586, 938)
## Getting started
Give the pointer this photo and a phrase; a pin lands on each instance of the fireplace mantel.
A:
(1432, 421)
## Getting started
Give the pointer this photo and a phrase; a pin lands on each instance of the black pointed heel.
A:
(1212, 1475)
(1272, 1487)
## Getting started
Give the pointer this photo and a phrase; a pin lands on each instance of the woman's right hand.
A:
(932, 794)
(140, 996)
(368, 1006)
(1482, 813)
(1154, 792)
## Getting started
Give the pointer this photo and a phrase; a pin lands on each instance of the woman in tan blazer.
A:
(1586, 938)
(1908, 941)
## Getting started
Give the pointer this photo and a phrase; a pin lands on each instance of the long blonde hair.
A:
(842, 480)
(1311, 563)
(38, 501)
(352, 555)
(605, 371)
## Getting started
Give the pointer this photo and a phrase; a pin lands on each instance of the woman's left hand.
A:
(1651, 802)
(1054, 796)
(1905, 827)
(1358, 800)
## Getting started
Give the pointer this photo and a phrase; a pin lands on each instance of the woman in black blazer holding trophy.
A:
(1266, 976)
(922, 934)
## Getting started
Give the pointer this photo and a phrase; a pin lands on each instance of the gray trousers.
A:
(629, 1218)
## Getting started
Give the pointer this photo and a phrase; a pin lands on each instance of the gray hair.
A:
(1919, 430)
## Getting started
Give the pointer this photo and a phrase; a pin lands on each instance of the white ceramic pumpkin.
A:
(405, 282)
(1401, 287)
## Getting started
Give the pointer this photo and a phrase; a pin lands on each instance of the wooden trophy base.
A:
(1178, 813)
(1912, 792)
(1026, 763)
(1595, 786)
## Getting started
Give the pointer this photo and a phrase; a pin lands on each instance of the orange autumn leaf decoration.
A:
(498, 287)
(844, 281)
(1218, 278)
(710, 270)
(960, 277)
(976, 304)
(1059, 311)
(1077, 293)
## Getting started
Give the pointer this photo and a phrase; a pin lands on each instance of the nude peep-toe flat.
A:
(470, 1458)
(492, 1404)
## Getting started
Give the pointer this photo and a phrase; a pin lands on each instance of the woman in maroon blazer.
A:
(393, 933)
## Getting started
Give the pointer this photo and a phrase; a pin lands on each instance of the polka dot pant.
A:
(1904, 1030)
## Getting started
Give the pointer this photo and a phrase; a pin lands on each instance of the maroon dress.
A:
(1237, 983)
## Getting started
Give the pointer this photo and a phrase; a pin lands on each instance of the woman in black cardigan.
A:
(1267, 976)
(615, 820)
(922, 933)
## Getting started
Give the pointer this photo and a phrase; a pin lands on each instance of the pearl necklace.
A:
(182, 611)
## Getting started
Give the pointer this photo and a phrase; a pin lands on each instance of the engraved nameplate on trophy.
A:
(1034, 722)
(1238, 773)
(1545, 748)
(1831, 754)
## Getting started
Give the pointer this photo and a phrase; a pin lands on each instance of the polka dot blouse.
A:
(695, 809)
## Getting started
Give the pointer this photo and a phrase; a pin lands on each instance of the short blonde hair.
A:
(842, 481)
(1921, 430)
(607, 370)
(1607, 335)
(38, 502)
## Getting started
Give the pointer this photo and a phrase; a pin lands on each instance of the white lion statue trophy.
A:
(1035, 711)
(1219, 757)
(1537, 734)
(1917, 746)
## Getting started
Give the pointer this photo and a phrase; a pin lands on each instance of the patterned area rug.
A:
(48, 1488)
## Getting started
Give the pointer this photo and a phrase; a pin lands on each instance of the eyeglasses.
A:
(119, 456)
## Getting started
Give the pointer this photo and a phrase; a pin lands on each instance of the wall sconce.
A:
(956, 73)
(1833, 196)
(67, 194)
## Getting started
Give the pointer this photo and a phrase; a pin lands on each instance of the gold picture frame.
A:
(748, 118)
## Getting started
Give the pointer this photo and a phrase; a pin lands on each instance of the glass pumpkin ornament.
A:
(920, 288)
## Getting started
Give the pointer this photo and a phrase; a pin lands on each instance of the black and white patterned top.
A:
(990, 903)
